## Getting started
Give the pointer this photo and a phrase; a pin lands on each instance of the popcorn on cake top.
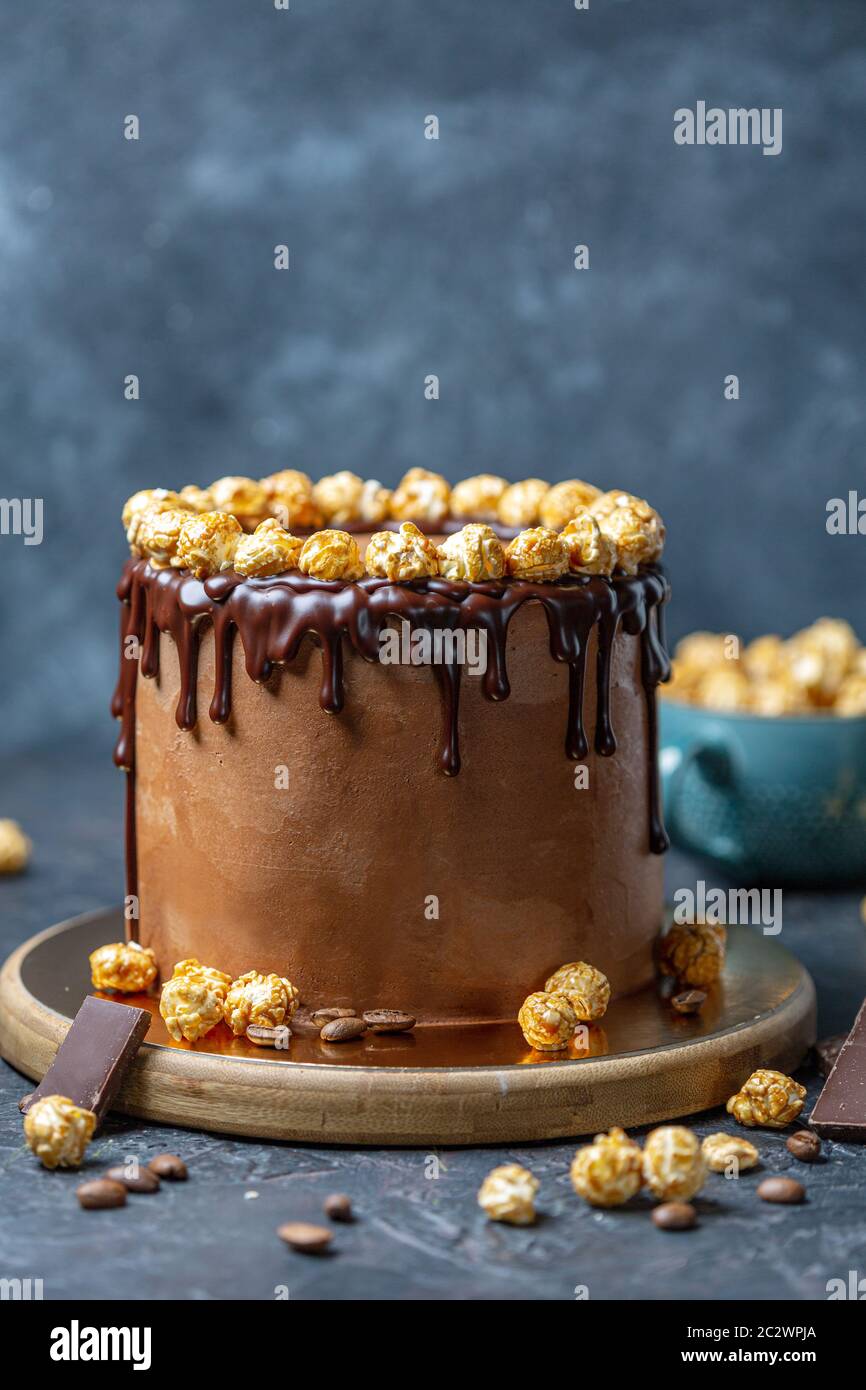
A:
(252, 525)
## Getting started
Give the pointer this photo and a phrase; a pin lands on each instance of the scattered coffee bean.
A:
(269, 1037)
(24, 1101)
(804, 1145)
(826, 1052)
(339, 1207)
(101, 1193)
(136, 1180)
(302, 1236)
(341, 1030)
(170, 1167)
(691, 1001)
(388, 1021)
(786, 1190)
(323, 1016)
(675, 1216)
(304, 1027)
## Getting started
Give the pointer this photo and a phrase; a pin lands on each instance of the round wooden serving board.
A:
(478, 1084)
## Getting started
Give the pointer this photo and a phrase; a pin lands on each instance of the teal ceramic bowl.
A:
(774, 800)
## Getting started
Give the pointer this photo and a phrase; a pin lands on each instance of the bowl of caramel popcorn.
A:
(763, 753)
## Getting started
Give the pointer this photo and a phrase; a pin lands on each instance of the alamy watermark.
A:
(22, 516)
(748, 906)
(738, 125)
(423, 646)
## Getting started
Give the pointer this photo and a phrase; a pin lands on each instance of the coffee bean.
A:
(304, 1027)
(691, 1001)
(786, 1190)
(169, 1166)
(269, 1037)
(25, 1100)
(341, 1030)
(136, 1180)
(675, 1216)
(323, 1016)
(388, 1021)
(804, 1145)
(101, 1193)
(302, 1236)
(339, 1207)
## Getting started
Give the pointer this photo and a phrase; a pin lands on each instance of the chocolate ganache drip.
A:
(273, 616)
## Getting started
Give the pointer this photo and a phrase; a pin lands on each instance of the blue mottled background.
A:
(411, 257)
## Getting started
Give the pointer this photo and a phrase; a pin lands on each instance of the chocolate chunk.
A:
(826, 1052)
(170, 1167)
(785, 1190)
(339, 1207)
(95, 1055)
(134, 1179)
(388, 1021)
(840, 1112)
(675, 1216)
(341, 1030)
(308, 1239)
(804, 1145)
(101, 1193)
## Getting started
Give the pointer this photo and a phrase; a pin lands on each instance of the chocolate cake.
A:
(436, 837)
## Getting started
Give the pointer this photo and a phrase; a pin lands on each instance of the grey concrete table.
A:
(420, 1234)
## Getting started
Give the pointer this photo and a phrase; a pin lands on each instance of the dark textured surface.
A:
(411, 257)
(417, 1237)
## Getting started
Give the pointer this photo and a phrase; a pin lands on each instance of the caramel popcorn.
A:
(564, 500)
(537, 554)
(585, 988)
(769, 1098)
(673, 1165)
(547, 1021)
(207, 544)
(15, 848)
(633, 525)
(724, 690)
(58, 1131)
(473, 553)
(851, 696)
(338, 497)
(776, 696)
(259, 1000)
(763, 659)
(217, 979)
(508, 1194)
(269, 550)
(519, 504)
(607, 1172)
(123, 966)
(693, 952)
(589, 552)
(401, 555)
(199, 499)
(242, 497)
(421, 496)
(289, 496)
(720, 1149)
(374, 506)
(191, 1006)
(149, 499)
(330, 555)
(158, 534)
(478, 497)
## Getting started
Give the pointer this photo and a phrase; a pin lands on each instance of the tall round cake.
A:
(407, 759)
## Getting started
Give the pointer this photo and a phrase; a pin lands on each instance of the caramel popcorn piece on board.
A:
(207, 544)
(15, 848)
(607, 1172)
(191, 1006)
(769, 1099)
(547, 1021)
(58, 1131)
(720, 1150)
(123, 966)
(693, 952)
(508, 1194)
(401, 555)
(538, 554)
(338, 497)
(267, 551)
(519, 504)
(421, 496)
(478, 498)
(586, 989)
(673, 1164)
(257, 1000)
(564, 500)
(589, 551)
(330, 555)
(474, 553)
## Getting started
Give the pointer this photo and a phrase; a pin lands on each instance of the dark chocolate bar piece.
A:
(95, 1055)
(840, 1112)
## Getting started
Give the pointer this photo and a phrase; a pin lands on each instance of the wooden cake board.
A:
(441, 1085)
